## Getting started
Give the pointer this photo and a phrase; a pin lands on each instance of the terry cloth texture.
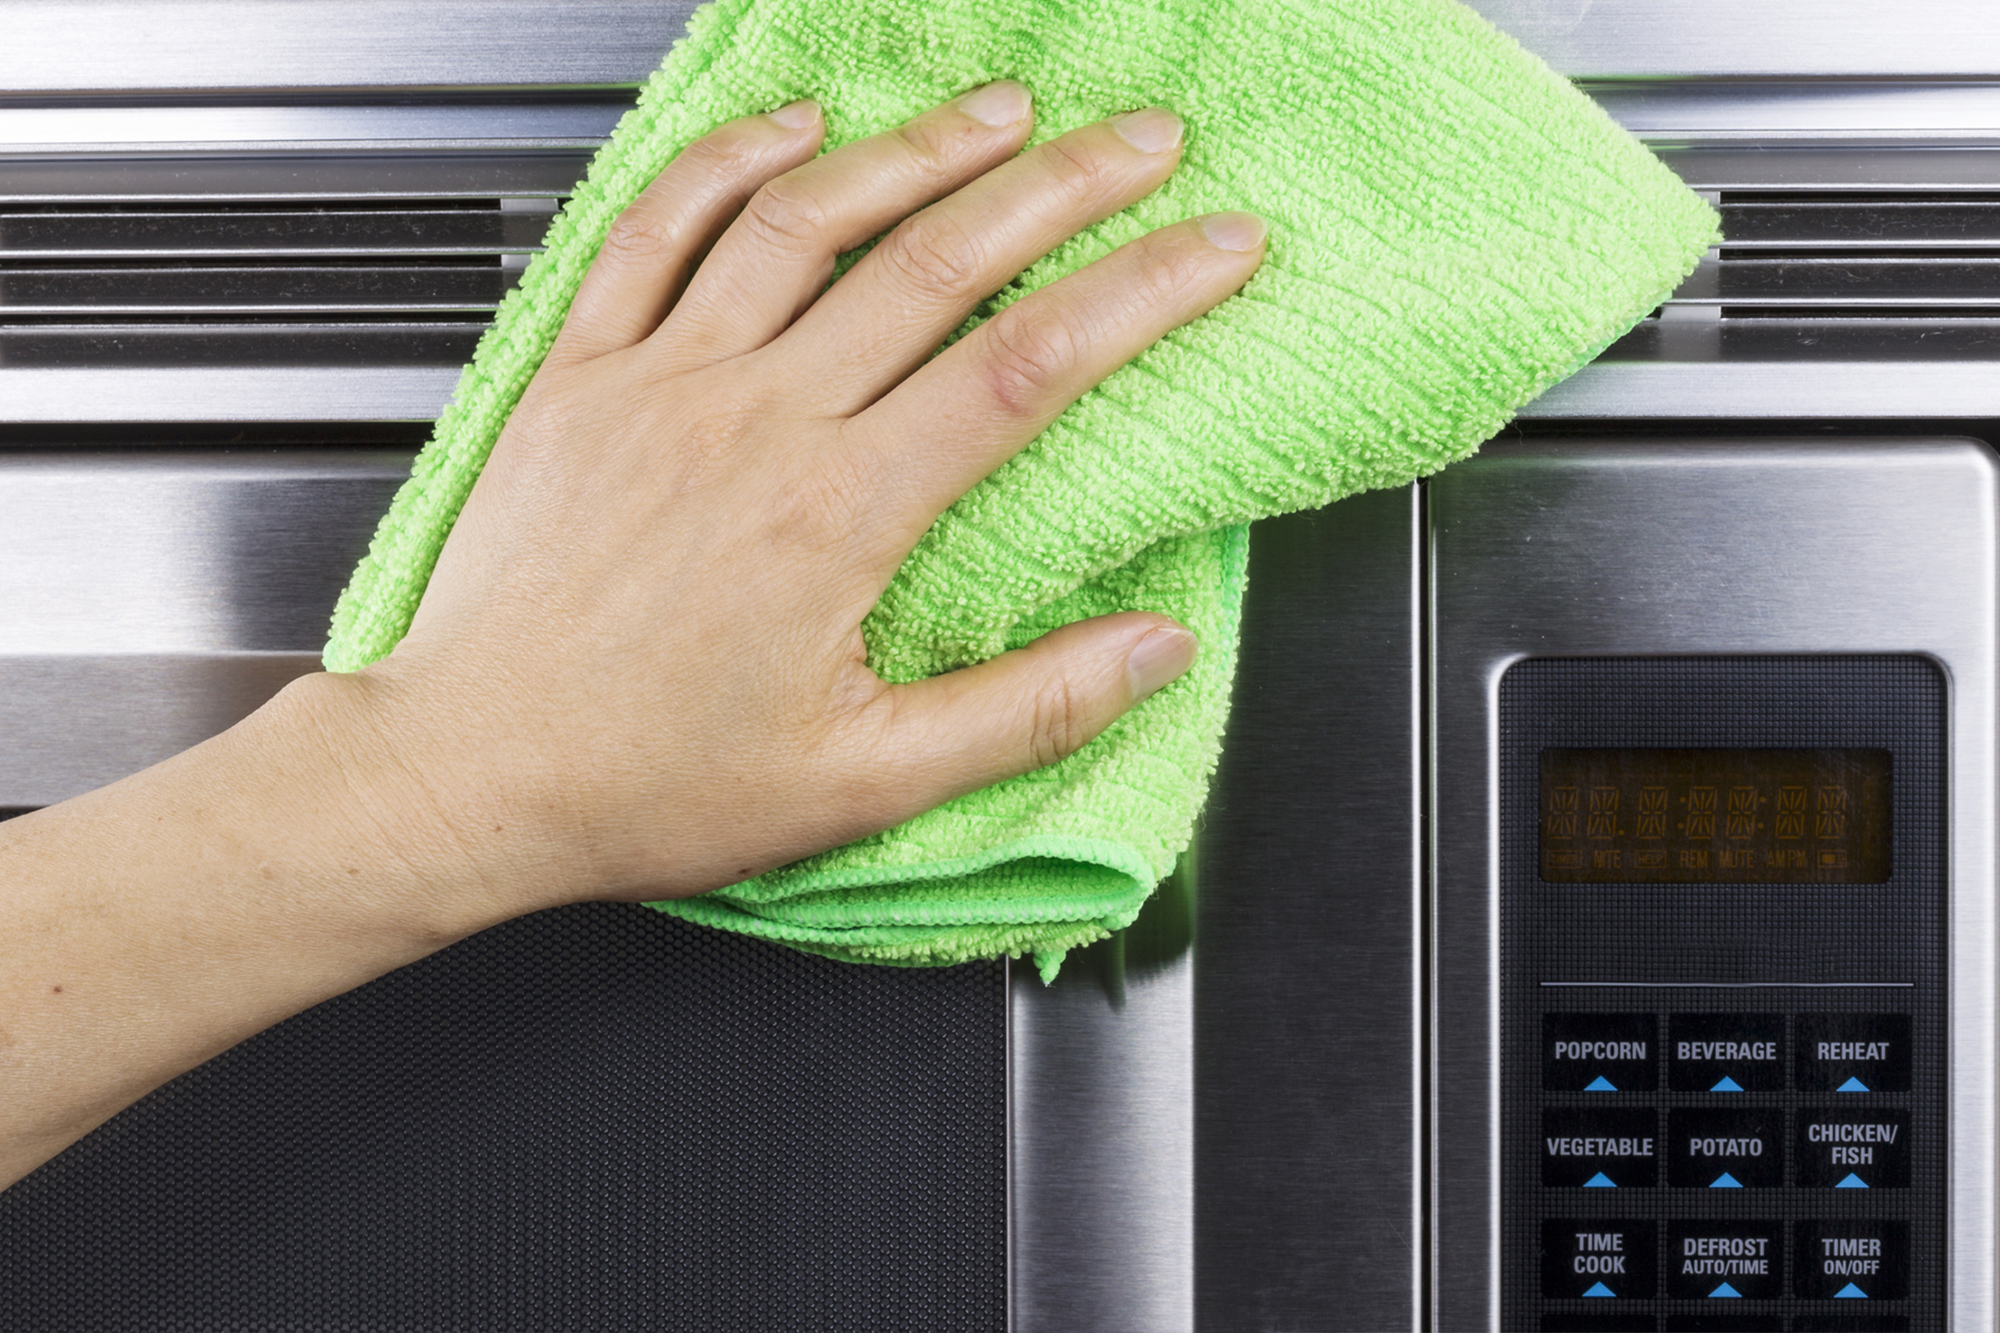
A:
(1453, 228)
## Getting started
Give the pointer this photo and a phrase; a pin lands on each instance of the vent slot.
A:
(1925, 256)
(251, 282)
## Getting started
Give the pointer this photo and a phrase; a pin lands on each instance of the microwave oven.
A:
(1591, 926)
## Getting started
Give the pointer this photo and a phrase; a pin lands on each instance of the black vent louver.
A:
(1853, 255)
(258, 282)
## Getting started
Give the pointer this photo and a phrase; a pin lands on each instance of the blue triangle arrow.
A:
(1600, 1084)
(1727, 1084)
(1601, 1290)
(1853, 1182)
(1852, 1085)
(1850, 1291)
(1725, 1181)
(1600, 1181)
(1724, 1290)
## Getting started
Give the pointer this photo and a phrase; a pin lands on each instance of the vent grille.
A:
(1930, 256)
(253, 282)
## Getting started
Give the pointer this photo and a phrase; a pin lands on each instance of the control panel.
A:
(1723, 1001)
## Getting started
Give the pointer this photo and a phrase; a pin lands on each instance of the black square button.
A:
(1853, 1148)
(1599, 1052)
(1852, 1261)
(1598, 1149)
(1726, 1052)
(1725, 1260)
(1854, 1052)
(1598, 1257)
(1726, 1149)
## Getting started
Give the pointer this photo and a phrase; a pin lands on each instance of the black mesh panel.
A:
(592, 1118)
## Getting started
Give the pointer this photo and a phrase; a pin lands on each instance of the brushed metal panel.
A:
(1101, 1138)
(1858, 111)
(150, 600)
(209, 44)
(1552, 548)
(183, 553)
(127, 45)
(282, 127)
(72, 724)
(1885, 168)
(225, 393)
(1726, 38)
(1828, 390)
(1308, 979)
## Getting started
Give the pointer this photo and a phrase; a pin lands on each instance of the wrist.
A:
(436, 830)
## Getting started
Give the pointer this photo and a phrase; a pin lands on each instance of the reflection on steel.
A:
(129, 45)
(1101, 1144)
(1727, 39)
(148, 601)
(1309, 1125)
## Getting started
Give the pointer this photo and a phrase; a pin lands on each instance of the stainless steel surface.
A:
(1726, 38)
(162, 394)
(1793, 166)
(273, 127)
(123, 46)
(148, 600)
(1101, 1143)
(1690, 111)
(1774, 390)
(1562, 549)
(1308, 975)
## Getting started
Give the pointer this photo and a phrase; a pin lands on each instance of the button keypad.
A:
(1779, 1103)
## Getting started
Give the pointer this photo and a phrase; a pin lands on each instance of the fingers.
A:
(655, 243)
(881, 321)
(776, 257)
(1029, 708)
(980, 400)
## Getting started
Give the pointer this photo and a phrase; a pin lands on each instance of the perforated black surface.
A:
(593, 1118)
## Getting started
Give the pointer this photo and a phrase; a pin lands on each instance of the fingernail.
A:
(1153, 130)
(1233, 231)
(1002, 103)
(797, 115)
(1159, 657)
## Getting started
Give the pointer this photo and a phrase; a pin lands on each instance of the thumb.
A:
(1036, 705)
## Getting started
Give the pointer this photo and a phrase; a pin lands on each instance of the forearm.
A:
(160, 920)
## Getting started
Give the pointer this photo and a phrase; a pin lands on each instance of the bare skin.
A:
(638, 672)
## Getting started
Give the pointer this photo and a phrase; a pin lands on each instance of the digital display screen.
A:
(1715, 816)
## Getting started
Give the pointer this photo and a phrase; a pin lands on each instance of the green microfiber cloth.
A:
(1453, 228)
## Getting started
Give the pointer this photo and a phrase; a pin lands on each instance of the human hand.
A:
(638, 671)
